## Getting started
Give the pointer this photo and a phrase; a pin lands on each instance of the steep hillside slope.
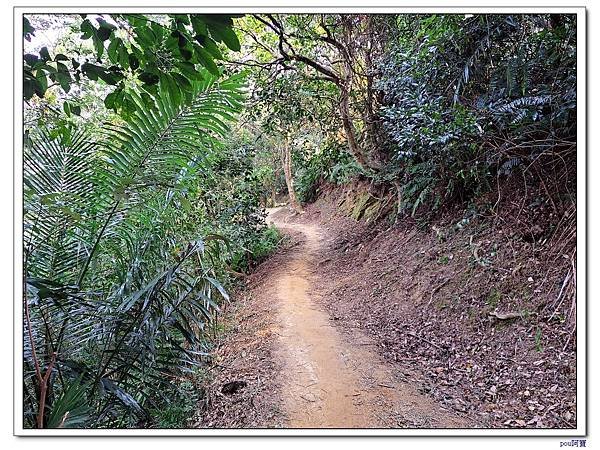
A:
(481, 307)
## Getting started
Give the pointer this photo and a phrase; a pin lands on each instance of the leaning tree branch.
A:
(292, 55)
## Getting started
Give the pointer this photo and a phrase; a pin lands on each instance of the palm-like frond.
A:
(109, 206)
(71, 408)
(155, 146)
(58, 190)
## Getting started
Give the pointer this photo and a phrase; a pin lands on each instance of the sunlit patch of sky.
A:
(52, 31)
(51, 28)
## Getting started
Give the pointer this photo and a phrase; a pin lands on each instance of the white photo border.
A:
(582, 237)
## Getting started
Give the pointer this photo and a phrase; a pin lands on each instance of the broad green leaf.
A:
(206, 60)
(225, 34)
(113, 49)
(28, 30)
(44, 54)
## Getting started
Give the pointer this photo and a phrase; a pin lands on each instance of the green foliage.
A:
(159, 55)
(308, 179)
(230, 196)
(295, 107)
(181, 405)
(329, 163)
(119, 281)
(70, 409)
(460, 85)
(260, 246)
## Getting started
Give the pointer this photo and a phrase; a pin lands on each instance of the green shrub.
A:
(256, 249)
(468, 98)
(179, 407)
(330, 164)
(266, 244)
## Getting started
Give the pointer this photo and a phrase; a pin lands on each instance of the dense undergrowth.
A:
(133, 227)
(465, 102)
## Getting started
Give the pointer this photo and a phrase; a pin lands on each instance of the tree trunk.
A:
(349, 130)
(286, 161)
(370, 119)
(345, 85)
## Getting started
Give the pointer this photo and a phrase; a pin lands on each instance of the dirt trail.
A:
(330, 379)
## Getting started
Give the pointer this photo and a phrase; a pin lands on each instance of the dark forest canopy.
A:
(154, 142)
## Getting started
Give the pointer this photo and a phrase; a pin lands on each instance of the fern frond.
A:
(57, 194)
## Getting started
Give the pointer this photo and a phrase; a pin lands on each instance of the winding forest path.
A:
(330, 379)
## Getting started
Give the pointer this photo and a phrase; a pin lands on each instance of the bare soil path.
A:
(331, 379)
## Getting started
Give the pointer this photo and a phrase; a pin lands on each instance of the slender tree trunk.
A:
(286, 161)
(345, 85)
(369, 116)
(349, 130)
